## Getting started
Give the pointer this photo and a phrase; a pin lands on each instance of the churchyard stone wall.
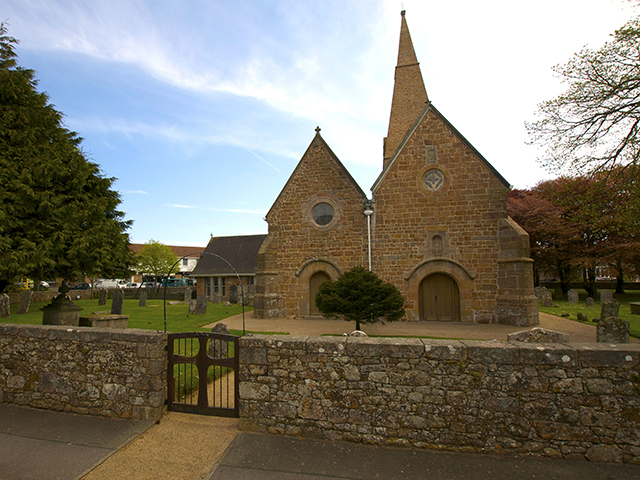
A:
(553, 400)
(115, 373)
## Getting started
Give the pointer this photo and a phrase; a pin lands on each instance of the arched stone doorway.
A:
(439, 298)
(315, 281)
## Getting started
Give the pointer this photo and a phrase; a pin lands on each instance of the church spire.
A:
(409, 94)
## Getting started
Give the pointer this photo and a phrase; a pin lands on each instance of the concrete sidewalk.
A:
(262, 457)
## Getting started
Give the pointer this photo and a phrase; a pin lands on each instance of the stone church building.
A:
(436, 226)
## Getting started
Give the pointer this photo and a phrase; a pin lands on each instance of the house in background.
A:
(215, 276)
(187, 264)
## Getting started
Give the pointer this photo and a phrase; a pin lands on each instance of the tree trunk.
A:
(620, 283)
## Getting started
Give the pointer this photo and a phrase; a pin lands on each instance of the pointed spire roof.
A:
(409, 93)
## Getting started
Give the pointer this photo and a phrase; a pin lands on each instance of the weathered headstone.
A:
(613, 330)
(609, 309)
(558, 294)
(590, 302)
(582, 317)
(573, 296)
(143, 299)
(538, 292)
(606, 296)
(219, 348)
(5, 306)
(201, 305)
(538, 335)
(102, 296)
(25, 301)
(215, 298)
(545, 298)
(233, 294)
(61, 310)
(192, 307)
(117, 301)
(187, 294)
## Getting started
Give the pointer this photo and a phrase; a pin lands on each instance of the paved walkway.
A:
(578, 332)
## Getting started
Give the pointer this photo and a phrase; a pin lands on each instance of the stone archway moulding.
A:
(330, 267)
(440, 265)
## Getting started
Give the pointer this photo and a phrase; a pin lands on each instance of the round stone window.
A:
(322, 214)
(433, 180)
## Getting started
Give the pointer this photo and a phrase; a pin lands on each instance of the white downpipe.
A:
(368, 211)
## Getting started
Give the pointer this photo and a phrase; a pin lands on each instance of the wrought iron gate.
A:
(203, 374)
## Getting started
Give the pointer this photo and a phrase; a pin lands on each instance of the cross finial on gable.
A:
(318, 130)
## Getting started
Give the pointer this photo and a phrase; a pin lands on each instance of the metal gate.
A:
(203, 374)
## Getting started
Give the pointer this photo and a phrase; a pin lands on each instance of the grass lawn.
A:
(148, 318)
(563, 306)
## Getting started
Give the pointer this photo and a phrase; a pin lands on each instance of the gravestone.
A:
(25, 301)
(215, 298)
(187, 294)
(582, 317)
(102, 296)
(538, 335)
(606, 296)
(613, 330)
(358, 333)
(219, 348)
(143, 299)
(545, 298)
(5, 306)
(558, 294)
(233, 294)
(192, 307)
(538, 293)
(590, 302)
(572, 296)
(201, 305)
(61, 310)
(117, 301)
(609, 309)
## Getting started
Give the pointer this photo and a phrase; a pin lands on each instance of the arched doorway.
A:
(315, 281)
(439, 299)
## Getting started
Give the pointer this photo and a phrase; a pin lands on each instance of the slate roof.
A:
(239, 251)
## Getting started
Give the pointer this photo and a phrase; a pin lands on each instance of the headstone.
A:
(25, 301)
(219, 348)
(187, 294)
(5, 306)
(215, 298)
(192, 307)
(102, 296)
(201, 305)
(590, 302)
(558, 293)
(613, 330)
(573, 297)
(538, 291)
(582, 317)
(606, 296)
(61, 310)
(545, 298)
(358, 333)
(143, 299)
(233, 294)
(538, 335)
(609, 309)
(117, 301)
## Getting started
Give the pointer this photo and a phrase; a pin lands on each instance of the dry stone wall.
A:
(115, 373)
(553, 400)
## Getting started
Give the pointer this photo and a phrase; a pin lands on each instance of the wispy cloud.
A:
(232, 210)
(142, 192)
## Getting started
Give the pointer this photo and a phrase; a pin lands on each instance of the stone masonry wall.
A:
(114, 373)
(553, 400)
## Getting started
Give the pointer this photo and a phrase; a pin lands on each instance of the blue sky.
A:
(202, 108)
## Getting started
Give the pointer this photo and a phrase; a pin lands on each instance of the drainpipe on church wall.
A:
(368, 211)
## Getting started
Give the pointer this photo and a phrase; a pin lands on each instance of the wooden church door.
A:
(439, 298)
(315, 281)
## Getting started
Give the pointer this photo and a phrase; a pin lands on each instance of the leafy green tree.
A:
(360, 296)
(59, 216)
(156, 258)
(595, 124)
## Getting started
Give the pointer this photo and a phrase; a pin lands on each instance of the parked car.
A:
(44, 284)
(81, 286)
(132, 285)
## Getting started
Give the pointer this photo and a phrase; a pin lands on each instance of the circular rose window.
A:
(322, 214)
(433, 180)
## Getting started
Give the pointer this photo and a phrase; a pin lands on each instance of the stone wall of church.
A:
(451, 225)
(297, 247)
